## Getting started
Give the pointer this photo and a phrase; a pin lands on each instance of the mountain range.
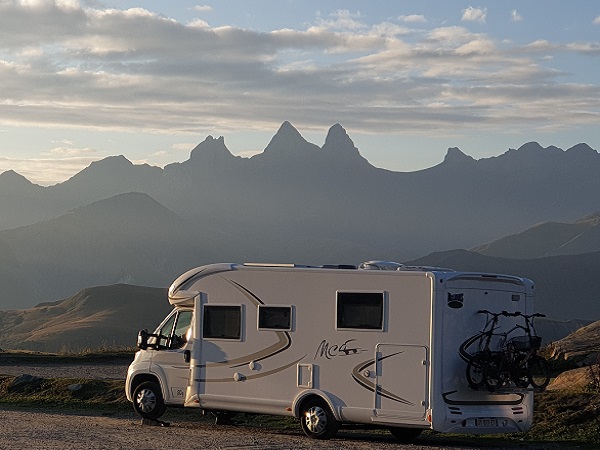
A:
(117, 222)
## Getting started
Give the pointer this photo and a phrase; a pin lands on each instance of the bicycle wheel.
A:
(519, 373)
(539, 372)
(475, 369)
(492, 372)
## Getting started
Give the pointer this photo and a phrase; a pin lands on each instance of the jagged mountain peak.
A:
(288, 142)
(338, 139)
(339, 143)
(454, 155)
(211, 148)
(287, 130)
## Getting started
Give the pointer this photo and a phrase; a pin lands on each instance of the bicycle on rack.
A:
(476, 363)
(515, 364)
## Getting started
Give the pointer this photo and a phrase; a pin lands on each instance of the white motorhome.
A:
(330, 345)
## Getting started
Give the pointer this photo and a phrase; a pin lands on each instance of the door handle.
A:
(187, 356)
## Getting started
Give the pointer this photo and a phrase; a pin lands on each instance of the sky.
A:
(83, 80)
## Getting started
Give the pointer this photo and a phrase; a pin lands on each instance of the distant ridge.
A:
(548, 239)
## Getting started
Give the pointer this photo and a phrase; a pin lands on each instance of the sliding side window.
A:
(275, 318)
(360, 310)
(222, 322)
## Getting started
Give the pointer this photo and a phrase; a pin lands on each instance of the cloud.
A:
(70, 151)
(134, 70)
(343, 19)
(203, 8)
(515, 16)
(597, 21)
(413, 18)
(474, 14)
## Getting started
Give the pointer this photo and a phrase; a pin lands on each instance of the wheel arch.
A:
(313, 393)
(143, 377)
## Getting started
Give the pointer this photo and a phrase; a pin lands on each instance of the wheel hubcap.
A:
(146, 400)
(316, 419)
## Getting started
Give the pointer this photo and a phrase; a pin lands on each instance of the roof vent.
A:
(380, 265)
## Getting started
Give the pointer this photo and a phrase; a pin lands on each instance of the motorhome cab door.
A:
(401, 381)
(169, 358)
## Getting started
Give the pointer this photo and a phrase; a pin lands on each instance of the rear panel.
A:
(458, 300)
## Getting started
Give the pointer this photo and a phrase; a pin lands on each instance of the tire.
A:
(475, 371)
(405, 434)
(520, 373)
(538, 371)
(317, 420)
(492, 372)
(148, 401)
(224, 417)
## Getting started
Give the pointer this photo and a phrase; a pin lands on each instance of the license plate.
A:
(486, 422)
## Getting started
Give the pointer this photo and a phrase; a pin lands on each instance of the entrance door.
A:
(401, 389)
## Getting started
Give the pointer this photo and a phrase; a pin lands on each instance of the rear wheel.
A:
(538, 372)
(318, 422)
(405, 434)
(148, 400)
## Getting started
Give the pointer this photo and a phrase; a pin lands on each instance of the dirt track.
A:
(37, 429)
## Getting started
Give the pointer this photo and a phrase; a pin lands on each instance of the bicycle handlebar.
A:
(501, 313)
(509, 314)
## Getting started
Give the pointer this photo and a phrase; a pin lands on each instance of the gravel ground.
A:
(37, 429)
(54, 429)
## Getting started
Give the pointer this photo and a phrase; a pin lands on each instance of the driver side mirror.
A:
(142, 339)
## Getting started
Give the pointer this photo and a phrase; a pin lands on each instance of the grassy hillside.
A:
(98, 317)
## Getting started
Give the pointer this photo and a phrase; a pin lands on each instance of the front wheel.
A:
(318, 422)
(148, 400)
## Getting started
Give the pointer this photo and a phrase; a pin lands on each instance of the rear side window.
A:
(222, 322)
(360, 310)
